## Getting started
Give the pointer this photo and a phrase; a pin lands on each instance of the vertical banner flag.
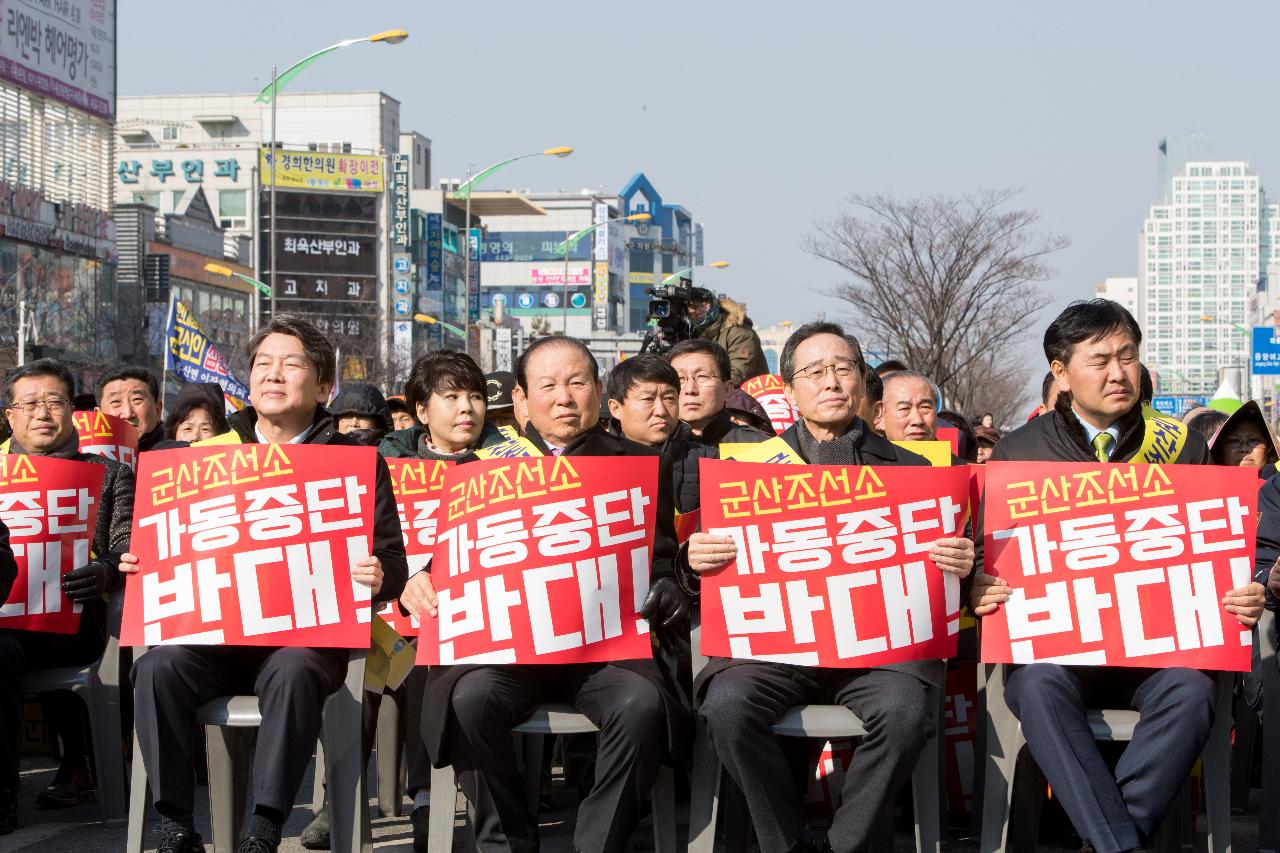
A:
(107, 435)
(833, 567)
(543, 560)
(193, 357)
(50, 507)
(767, 388)
(1119, 565)
(418, 484)
(251, 545)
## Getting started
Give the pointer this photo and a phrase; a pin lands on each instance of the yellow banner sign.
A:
(319, 170)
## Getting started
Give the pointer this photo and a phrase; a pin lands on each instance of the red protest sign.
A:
(1118, 565)
(418, 484)
(107, 435)
(543, 560)
(251, 545)
(767, 388)
(951, 435)
(50, 507)
(833, 567)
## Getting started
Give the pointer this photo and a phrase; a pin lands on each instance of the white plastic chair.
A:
(98, 686)
(1004, 741)
(230, 722)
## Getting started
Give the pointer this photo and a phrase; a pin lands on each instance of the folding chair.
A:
(98, 686)
(229, 722)
(1004, 742)
(549, 719)
(814, 721)
(388, 761)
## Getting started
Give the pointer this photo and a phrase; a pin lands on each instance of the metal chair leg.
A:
(390, 742)
(444, 802)
(704, 793)
(139, 799)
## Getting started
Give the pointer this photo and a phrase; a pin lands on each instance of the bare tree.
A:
(950, 285)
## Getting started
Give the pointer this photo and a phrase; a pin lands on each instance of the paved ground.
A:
(80, 829)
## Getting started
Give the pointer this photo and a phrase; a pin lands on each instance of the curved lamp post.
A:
(572, 241)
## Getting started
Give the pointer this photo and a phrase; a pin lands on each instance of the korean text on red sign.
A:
(50, 507)
(1118, 565)
(251, 545)
(418, 484)
(833, 567)
(107, 435)
(543, 560)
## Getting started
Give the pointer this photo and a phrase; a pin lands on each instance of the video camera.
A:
(669, 314)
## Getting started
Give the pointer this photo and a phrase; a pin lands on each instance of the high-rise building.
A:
(668, 242)
(1200, 263)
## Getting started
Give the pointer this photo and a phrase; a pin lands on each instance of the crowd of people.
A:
(680, 407)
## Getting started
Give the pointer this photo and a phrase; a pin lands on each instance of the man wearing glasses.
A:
(741, 699)
(39, 414)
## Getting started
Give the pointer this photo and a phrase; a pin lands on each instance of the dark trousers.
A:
(64, 714)
(742, 702)
(627, 708)
(171, 682)
(1121, 810)
(417, 763)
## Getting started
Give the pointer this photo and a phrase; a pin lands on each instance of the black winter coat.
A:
(441, 679)
(874, 450)
(388, 542)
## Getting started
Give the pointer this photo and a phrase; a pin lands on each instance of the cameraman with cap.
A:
(724, 321)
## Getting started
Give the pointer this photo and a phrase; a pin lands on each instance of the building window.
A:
(152, 199)
(231, 209)
(170, 134)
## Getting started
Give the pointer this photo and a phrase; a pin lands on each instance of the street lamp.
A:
(268, 95)
(681, 273)
(465, 189)
(572, 241)
(227, 272)
(428, 320)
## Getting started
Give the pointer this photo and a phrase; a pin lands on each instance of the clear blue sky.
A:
(760, 117)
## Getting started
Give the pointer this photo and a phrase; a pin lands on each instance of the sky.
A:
(762, 118)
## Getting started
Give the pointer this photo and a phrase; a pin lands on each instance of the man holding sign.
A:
(1092, 348)
(742, 698)
(39, 395)
(292, 369)
(471, 708)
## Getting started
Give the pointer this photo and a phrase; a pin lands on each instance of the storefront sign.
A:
(361, 173)
(64, 49)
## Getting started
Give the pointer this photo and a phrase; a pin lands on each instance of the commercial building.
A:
(1205, 246)
(1122, 289)
(668, 242)
(338, 168)
(57, 252)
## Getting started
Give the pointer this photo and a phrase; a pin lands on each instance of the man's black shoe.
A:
(257, 844)
(316, 835)
(175, 839)
(420, 818)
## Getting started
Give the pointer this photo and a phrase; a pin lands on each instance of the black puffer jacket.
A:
(685, 450)
(388, 543)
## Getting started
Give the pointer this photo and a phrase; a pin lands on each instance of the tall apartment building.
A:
(1200, 264)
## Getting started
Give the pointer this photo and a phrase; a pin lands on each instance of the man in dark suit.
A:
(470, 709)
(741, 699)
(1092, 348)
(292, 368)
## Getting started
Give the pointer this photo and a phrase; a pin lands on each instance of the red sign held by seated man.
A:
(251, 545)
(833, 565)
(543, 560)
(107, 435)
(50, 507)
(1119, 565)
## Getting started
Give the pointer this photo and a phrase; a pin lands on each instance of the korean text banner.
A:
(543, 560)
(1118, 565)
(50, 507)
(418, 484)
(833, 567)
(193, 357)
(311, 170)
(251, 545)
(107, 435)
(768, 389)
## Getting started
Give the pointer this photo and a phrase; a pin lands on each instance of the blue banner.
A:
(194, 358)
(1266, 349)
(1176, 406)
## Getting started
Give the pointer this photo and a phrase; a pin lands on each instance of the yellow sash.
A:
(774, 450)
(512, 448)
(937, 452)
(1163, 438)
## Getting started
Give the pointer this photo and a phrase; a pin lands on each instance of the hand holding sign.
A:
(419, 596)
(711, 552)
(1246, 603)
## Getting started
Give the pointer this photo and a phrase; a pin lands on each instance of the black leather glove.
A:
(667, 606)
(91, 580)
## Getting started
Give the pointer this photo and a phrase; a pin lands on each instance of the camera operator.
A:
(724, 321)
